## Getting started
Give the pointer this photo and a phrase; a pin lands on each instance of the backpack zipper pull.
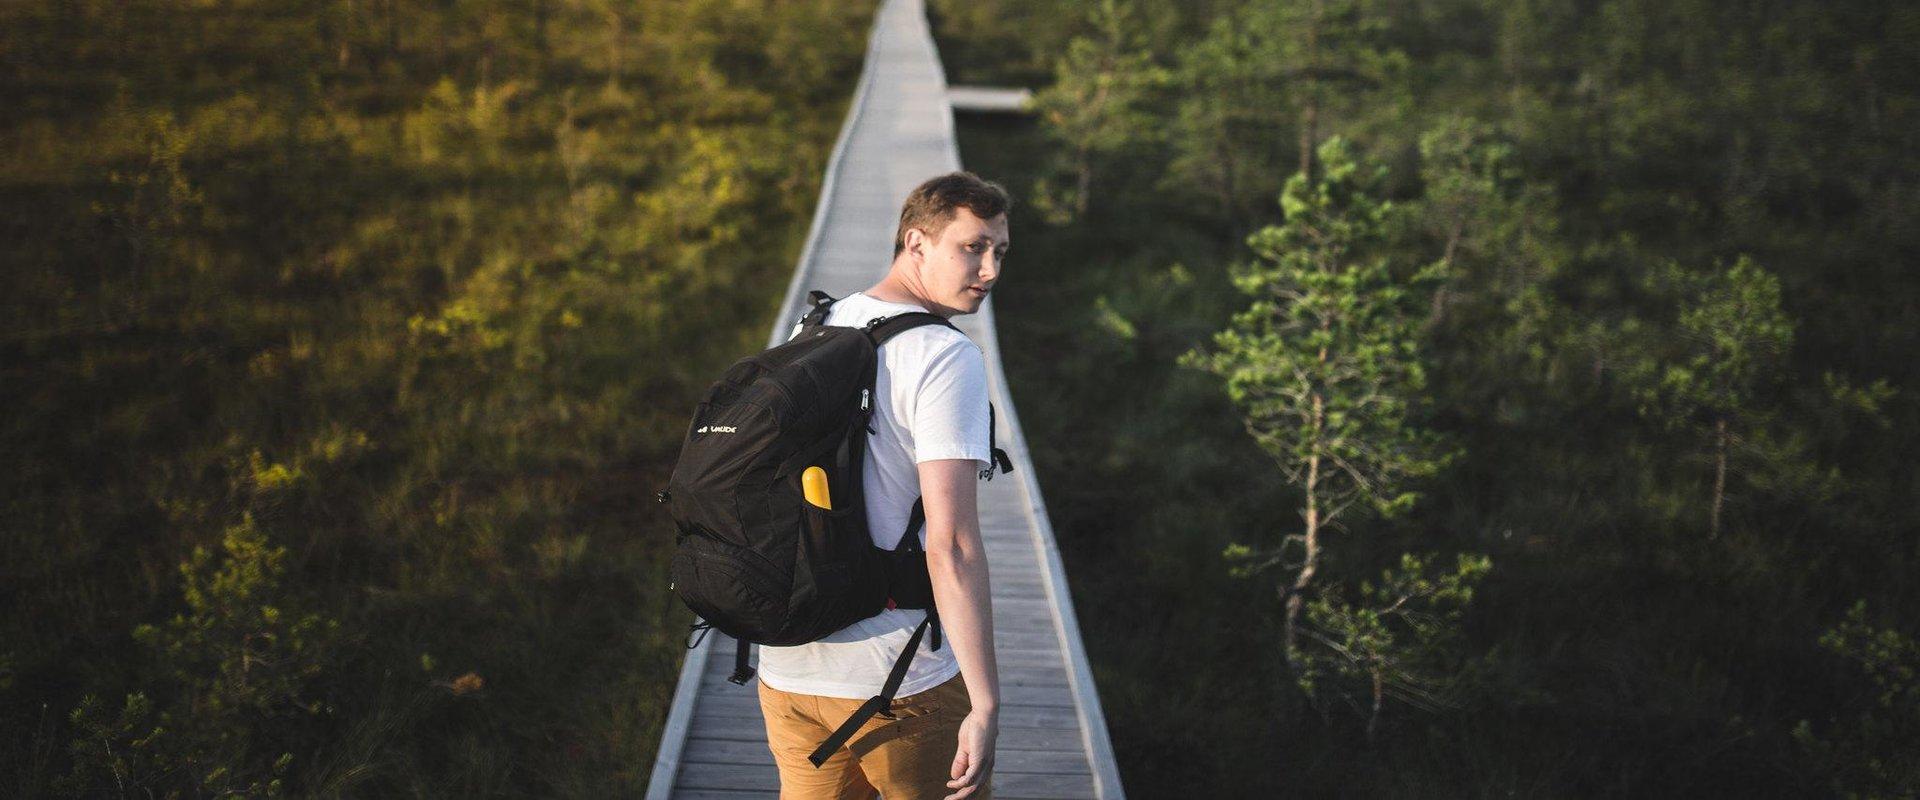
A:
(865, 401)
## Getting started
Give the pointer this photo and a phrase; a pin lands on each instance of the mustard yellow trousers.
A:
(907, 757)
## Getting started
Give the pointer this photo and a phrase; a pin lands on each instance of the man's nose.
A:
(989, 267)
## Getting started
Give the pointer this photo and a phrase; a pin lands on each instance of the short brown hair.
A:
(931, 205)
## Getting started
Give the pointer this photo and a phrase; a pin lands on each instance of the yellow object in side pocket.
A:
(814, 483)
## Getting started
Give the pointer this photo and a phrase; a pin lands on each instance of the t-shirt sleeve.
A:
(950, 418)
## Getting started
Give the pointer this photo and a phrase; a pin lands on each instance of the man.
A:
(930, 441)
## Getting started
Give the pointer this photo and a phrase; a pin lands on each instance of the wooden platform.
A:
(989, 99)
(1053, 737)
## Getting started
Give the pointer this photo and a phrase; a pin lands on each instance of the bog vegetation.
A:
(1520, 396)
(344, 346)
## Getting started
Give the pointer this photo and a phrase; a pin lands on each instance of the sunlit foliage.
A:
(417, 293)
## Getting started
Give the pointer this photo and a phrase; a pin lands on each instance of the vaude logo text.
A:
(716, 429)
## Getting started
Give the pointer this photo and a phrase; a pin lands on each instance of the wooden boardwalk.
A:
(1053, 737)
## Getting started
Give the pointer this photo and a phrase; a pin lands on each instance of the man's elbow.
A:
(957, 555)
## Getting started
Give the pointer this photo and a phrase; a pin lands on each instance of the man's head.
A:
(951, 241)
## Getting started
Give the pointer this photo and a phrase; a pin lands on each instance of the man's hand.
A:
(973, 760)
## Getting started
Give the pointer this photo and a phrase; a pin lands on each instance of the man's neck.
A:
(893, 289)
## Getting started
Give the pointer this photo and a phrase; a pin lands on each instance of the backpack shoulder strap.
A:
(884, 328)
(881, 329)
(822, 304)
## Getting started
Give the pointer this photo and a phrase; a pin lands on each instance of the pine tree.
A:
(1396, 640)
(1495, 230)
(1262, 72)
(1870, 753)
(1327, 52)
(1229, 122)
(1324, 365)
(1731, 340)
(1096, 105)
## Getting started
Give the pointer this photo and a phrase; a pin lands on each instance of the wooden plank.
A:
(1018, 587)
(1039, 761)
(1020, 573)
(1027, 619)
(1033, 676)
(1040, 608)
(724, 751)
(1012, 716)
(1014, 657)
(723, 794)
(1028, 624)
(744, 704)
(1027, 639)
(1020, 786)
(728, 776)
(1043, 695)
(1049, 739)
(1004, 519)
(730, 728)
(732, 716)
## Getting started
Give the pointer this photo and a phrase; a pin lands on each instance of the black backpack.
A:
(753, 557)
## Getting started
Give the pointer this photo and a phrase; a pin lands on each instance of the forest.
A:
(1599, 319)
(1433, 398)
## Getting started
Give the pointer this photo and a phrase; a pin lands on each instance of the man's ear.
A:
(917, 244)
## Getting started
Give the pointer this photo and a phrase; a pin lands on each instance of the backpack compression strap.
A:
(1000, 458)
(877, 703)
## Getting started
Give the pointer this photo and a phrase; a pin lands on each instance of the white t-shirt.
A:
(931, 405)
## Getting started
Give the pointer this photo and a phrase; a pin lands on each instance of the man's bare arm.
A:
(957, 562)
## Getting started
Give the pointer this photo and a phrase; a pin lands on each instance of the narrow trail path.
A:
(1053, 737)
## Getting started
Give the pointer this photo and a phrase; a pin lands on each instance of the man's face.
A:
(958, 268)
